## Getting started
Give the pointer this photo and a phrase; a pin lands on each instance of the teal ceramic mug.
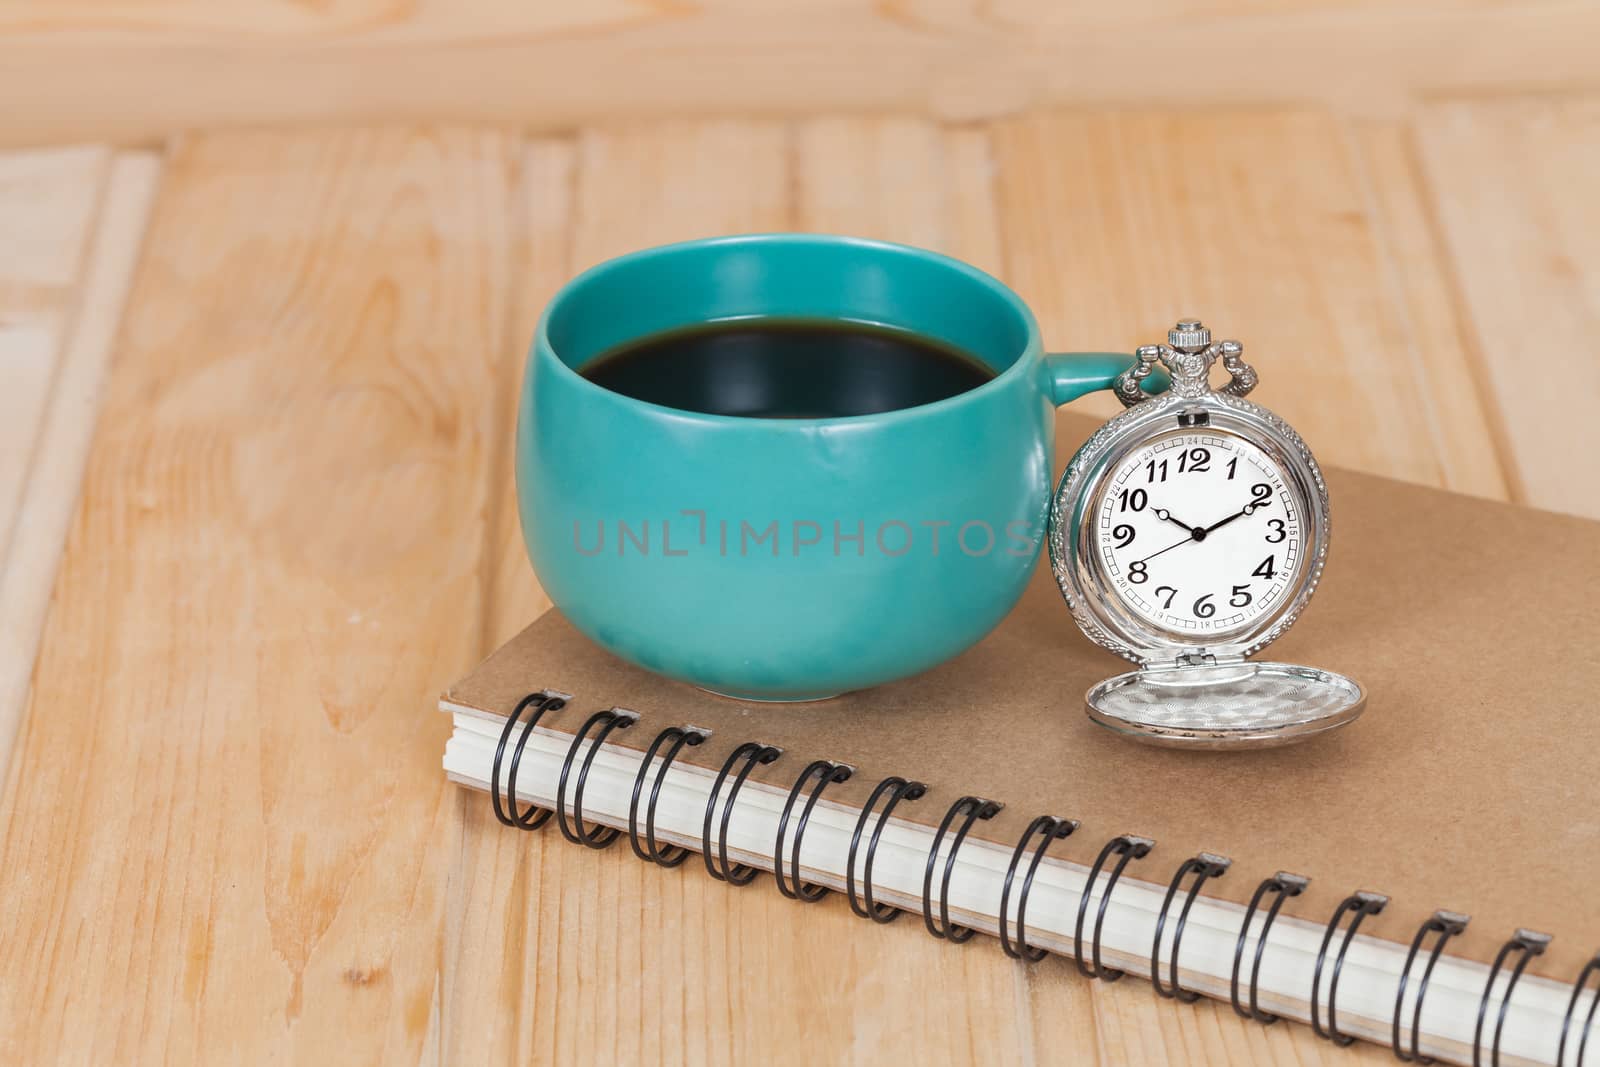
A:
(789, 559)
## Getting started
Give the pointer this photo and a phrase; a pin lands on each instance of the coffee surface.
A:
(787, 369)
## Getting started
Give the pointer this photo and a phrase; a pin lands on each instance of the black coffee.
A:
(787, 368)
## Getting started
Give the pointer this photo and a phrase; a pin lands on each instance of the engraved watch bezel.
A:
(1080, 569)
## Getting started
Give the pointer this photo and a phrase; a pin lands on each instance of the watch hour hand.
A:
(1166, 516)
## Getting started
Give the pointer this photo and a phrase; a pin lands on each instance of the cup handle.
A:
(1072, 374)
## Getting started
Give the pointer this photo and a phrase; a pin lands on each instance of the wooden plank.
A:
(541, 258)
(1269, 231)
(1514, 181)
(1136, 1027)
(1442, 343)
(140, 68)
(557, 937)
(912, 181)
(47, 211)
(55, 348)
(899, 179)
(701, 179)
(1265, 231)
(48, 200)
(879, 178)
(226, 820)
(544, 940)
(229, 653)
(485, 977)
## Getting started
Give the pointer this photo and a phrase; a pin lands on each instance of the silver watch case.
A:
(1197, 689)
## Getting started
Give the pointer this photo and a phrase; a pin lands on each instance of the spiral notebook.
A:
(1428, 878)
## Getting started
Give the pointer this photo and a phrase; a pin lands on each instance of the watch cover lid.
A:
(1225, 706)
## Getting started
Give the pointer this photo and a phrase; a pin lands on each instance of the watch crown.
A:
(1188, 334)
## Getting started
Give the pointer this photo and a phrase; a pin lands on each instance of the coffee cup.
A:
(786, 559)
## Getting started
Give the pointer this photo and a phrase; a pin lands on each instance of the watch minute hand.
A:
(1241, 513)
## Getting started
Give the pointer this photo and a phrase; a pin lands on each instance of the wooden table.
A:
(225, 835)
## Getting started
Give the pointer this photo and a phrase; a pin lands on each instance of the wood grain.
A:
(700, 179)
(140, 68)
(485, 978)
(1514, 181)
(1442, 344)
(48, 202)
(297, 524)
(47, 211)
(541, 260)
(73, 221)
(227, 821)
(899, 179)
(1270, 236)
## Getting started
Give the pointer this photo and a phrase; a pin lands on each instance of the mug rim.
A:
(544, 348)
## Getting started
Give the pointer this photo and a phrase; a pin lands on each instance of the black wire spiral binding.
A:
(672, 855)
(1284, 885)
(1590, 968)
(1525, 944)
(1049, 829)
(1204, 866)
(600, 836)
(825, 772)
(1446, 924)
(1529, 944)
(1127, 847)
(898, 789)
(754, 754)
(974, 808)
(541, 702)
(1360, 904)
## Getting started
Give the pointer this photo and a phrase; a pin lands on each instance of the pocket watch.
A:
(1188, 533)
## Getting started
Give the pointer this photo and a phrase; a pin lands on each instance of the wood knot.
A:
(362, 976)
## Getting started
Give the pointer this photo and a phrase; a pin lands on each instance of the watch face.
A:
(1199, 532)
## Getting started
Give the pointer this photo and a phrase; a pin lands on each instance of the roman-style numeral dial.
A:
(1198, 531)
